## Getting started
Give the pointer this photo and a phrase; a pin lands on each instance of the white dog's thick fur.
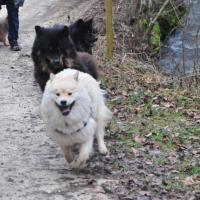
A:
(74, 110)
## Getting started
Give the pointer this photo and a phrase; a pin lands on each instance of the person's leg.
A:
(13, 19)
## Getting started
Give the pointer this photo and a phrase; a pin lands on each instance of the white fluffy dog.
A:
(74, 110)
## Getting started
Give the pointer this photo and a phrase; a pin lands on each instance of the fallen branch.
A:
(156, 17)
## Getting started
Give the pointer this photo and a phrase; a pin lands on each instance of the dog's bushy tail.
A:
(105, 112)
(109, 114)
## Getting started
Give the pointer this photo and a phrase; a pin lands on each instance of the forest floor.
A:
(155, 131)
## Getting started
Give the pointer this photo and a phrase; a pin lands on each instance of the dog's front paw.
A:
(103, 149)
(77, 164)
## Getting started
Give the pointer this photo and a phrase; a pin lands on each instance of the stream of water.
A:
(182, 51)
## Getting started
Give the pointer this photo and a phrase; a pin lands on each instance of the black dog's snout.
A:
(63, 103)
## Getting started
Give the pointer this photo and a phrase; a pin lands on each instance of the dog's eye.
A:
(69, 93)
(57, 94)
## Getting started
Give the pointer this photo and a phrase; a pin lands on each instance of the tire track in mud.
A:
(31, 165)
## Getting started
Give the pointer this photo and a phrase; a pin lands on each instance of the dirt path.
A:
(31, 165)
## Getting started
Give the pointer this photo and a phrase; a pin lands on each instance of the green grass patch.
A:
(161, 160)
(164, 123)
(136, 97)
(195, 170)
(191, 170)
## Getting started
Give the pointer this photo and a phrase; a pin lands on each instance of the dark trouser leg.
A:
(13, 22)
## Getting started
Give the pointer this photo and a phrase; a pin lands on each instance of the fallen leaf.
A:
(124, 93)
(159, 99)
(198, 121)
(135, 152)
(169, 105)
(197, 178)
(194, 152)
(189, 181)
(146, 99)
(137, 138)
(137, 110)
(190, 114)
(167, 128)
(165, 139)
(155, 106)
(179, 109)
(148, 162)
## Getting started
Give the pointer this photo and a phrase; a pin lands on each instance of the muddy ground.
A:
(31, 165)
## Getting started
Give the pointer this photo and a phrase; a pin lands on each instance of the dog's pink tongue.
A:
(66, 111)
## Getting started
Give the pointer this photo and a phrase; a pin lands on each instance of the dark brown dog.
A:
(4, 30)
(84, 62)
(53, 51)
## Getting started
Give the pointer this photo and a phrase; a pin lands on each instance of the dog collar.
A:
(79, 129)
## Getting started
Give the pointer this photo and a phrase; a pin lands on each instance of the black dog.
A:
(83, 34)
(54, 50)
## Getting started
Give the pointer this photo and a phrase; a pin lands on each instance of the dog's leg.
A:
(67, 153)
(100, 137)
(84, 153)
(4, 41)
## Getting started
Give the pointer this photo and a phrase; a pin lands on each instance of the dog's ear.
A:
(80, 23)
(76, 75)
(38, 30)
(77, 26)
(68, 18)
(52, 76)
(89, 22)
(65, 31)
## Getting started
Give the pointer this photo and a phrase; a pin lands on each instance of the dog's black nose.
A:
(63, 103)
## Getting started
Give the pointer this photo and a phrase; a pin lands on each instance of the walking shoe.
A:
(14, 46)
